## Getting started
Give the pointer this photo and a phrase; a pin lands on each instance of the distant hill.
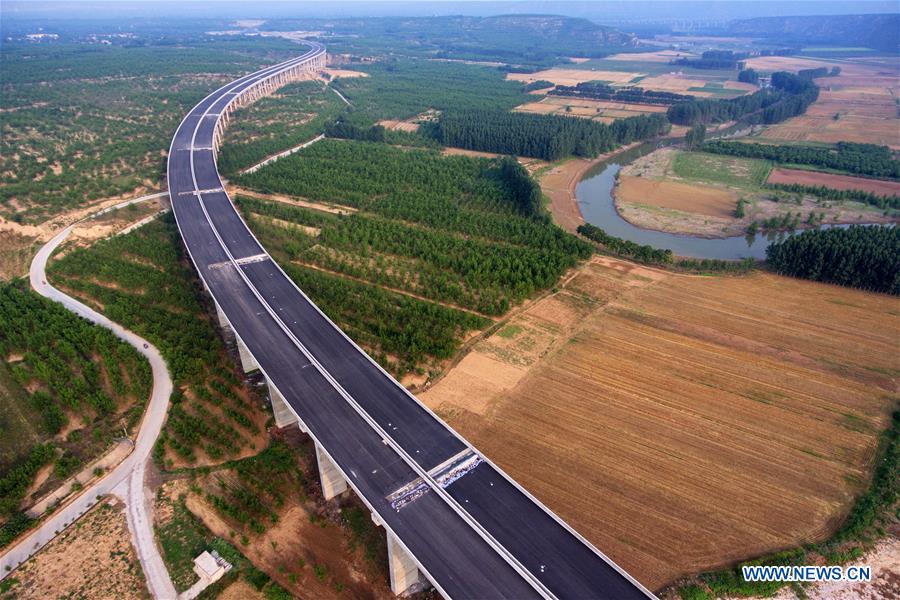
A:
(530, 40)
(881, 32)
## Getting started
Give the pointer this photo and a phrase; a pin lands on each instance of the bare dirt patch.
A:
(686, 197)
(603, 110)
(530, 164)
(92, 559)
(335, 73)
(660, 56)
(334, 209)
(573, 76)
(838, 182)
(409, 127)
(558, 183)
(685, 423)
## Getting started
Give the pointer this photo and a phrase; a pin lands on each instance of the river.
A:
(595, 200)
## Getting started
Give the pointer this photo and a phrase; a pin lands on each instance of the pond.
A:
(595, 200)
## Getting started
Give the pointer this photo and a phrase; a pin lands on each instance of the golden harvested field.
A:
(859, 105)
(699, 199)
(408, 126)
(600, 110)
(573, 76)
(683, 423)
(769, 64)
(683, 84)
(661, 56)
(838, 182)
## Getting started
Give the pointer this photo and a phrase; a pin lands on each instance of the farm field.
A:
(603, 111)
(838, 182)
(674, 79)
(859, 105)
(574, 76)
(710, 201)
(774, 391)
(696, 193)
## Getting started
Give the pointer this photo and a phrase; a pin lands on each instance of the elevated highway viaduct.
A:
(452, 517)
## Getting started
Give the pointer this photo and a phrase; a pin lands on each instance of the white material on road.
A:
(127, 479)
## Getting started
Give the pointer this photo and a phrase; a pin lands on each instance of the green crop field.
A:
(737, 172)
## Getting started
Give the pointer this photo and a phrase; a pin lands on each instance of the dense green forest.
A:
(748, 76)
(713, 59)
(297, 113)
(403, 88)
(550, 137)
(76, 118)
(142, 281)
(861, 159)
(857, 256)
(789, 96)
(460, 230)
(602, 91)
(77, 373)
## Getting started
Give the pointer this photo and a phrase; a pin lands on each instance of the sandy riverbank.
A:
(560, 181)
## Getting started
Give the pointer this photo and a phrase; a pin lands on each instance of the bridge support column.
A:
(404, 572)
(283, 414)
(333, 483)
(247, 361)
(223, 322)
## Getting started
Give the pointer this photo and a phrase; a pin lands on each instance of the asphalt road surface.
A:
(478, 535)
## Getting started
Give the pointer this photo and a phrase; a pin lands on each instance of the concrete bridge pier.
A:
(248, 363)
(403, 569)
(283, 414)
(333, 483)
(223, 321)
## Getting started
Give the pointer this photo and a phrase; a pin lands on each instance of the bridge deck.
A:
(350, 406)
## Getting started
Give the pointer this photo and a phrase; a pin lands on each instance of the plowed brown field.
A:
(682, 423)
(838, 182)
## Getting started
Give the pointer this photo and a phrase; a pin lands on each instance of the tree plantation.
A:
(789, 96)
(80, 376)
(857, 256)
(141, 281)
(860, 159)
(549, 137)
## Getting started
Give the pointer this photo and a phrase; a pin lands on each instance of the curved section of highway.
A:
(471, 529)
(126, 480)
